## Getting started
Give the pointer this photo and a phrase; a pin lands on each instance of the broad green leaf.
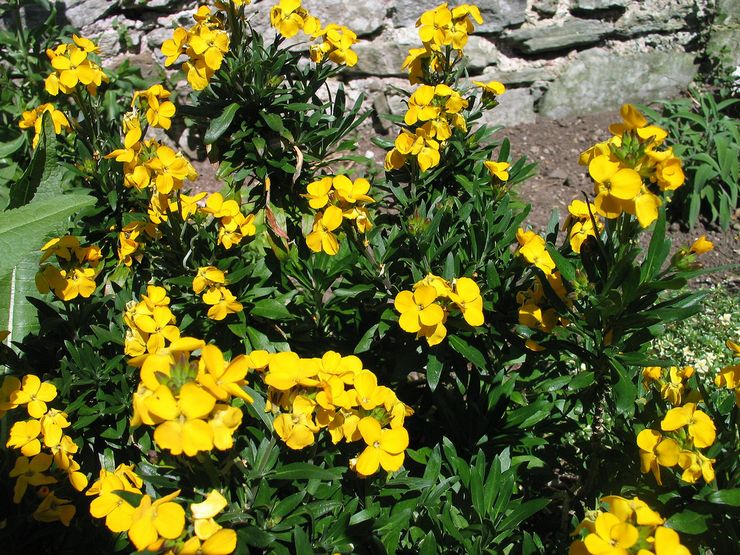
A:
(270, 309)
(726, 497)
(688, 522)
(17, 315)
(23, 229)
(219, 125)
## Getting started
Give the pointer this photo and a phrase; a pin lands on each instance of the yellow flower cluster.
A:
(579, 224)
(444, 33)
(34, 118)
(205, 44)
(498, 170)
(729, 376)
(130, 241)
(341, 199)
(150, 322)
(337, 40)
(433, 112)
(75, 272)
(233, 225)
(628, 526)
(334, 392)
(688, 430)
(73, 66)
(289, 17)
(189, 400)
(629, 172)
(424, 310)
(149, 164)
(532, 248)
(44, 430)
(211, 282)
(158, 526)
(672, 383)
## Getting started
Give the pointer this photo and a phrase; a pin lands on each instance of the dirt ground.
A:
(555, 146)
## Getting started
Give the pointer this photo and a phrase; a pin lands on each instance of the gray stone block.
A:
(571, 33)
(516, 106)
(599, 80)
(591, 5)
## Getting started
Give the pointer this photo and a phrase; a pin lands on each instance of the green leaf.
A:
(23, 230)
(219, 125)
(434, 371)
(305, 471)
(270, 309)
(468, 351)
(301, 543)
(625, 390)
(688, 522)
(43, 178)
(567, 270)
(726, 497)
(6, 149)
(366, 340)
(17, 315)
(273, 121)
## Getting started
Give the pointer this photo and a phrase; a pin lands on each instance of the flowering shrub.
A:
(210, 353)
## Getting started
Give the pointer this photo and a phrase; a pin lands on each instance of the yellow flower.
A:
(170, 168)
(210, 45)
(701, 245)
(467, 298)
(222, 301)
(352, 192)
(222, 379)
(53, 508)
(321, 236)
(172, 48)
(318, 192)
(695, 465)
(384, 447)
(208, 276)
(701, 428)
(611, 535)
(224, 421)
(35, 394)
(625, 509)
(498, 169)
(491, 88)
(159, 114)
(614, 185)
(656, 452)
(534, 251)
(150, 521)
(297, 428)
(286, 370)
(221, 542)
(337, 41)
(34, 118)
(369, 394)
(30, 472)
(10, 386)
(667, 542)
(418, 308)
(289, 17)
(183, 429)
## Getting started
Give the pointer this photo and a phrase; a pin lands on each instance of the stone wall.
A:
(557, 57)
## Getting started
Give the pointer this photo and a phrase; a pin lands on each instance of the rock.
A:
(722, 45)
(407, 12)
(592, 5)
(81, 13)
(516, 106)
(500, 14)
(523, 76)
(655, 16)
(598, 80)
(571, 33)
(728, 12)
(385, 54)
(358, 16)
(481, 53)
(547, 8)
